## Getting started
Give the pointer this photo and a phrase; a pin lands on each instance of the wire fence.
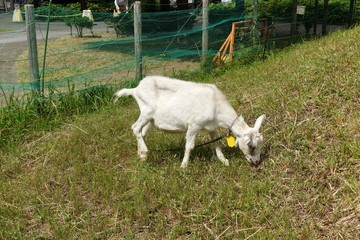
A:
(171, 43)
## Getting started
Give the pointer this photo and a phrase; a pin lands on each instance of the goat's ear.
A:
(259, 121)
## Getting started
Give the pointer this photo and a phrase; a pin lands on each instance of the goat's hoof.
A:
(143, 156)
(183, 165)
(226, 162)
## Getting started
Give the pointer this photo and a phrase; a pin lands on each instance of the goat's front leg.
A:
(190, 144)
(138, 132)
(145, 129)
(218, 151)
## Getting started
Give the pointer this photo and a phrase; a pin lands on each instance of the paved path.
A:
(13, 41)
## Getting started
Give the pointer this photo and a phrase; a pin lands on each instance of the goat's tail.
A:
(123, 93)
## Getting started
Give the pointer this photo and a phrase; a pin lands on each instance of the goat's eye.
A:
(246, 139)
(251, 149)
(259, 137)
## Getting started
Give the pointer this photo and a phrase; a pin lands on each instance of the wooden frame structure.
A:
(226, 51)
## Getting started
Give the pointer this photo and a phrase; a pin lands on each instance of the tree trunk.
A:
(84, 5)
(37, 3)
(351, 13)
(316, 16)
(325, 18)
(293, 29)
(165, 5)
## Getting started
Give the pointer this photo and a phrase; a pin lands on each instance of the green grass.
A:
(83, 180)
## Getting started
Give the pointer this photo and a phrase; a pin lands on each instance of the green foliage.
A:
(248, 55)
(79, 23)
(338, 10)
(101, 16)
(33, 111)
(74, 6)
(57, 12)
(94, 7)
(60, 13)
(275, 9)
(122, 24)
(223, 12)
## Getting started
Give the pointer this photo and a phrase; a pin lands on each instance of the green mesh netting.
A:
(171, 42)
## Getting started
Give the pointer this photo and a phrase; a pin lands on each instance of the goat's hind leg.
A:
(218, 151)
(139, 128)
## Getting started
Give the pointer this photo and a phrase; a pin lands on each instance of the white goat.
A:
(181, 106)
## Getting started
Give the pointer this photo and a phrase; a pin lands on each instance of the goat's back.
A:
(163, 89)
(173, 102)
(164, 83)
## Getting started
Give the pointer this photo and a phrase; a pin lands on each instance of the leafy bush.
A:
(74, 6)
(276, 9)
(122, 24)
(100, 8)
(101, 16)
(79, 23)
(248, 55)
(57, 12)
(223, 12)
(338, 10)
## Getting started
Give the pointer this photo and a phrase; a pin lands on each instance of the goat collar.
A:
(231, 125)
(242, 124)
(233, 122)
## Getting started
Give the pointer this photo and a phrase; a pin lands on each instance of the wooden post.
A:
(137, 40)
(205, 31)
(32, 45)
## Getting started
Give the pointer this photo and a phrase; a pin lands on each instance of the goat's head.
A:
(250, 142)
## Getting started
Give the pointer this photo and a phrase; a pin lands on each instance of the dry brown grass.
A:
(100, 59)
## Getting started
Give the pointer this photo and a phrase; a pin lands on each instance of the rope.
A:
(45, 49)
(201, 144)
(196, 146)
(62, 16)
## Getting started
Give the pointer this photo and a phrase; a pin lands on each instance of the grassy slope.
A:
(84, 180)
